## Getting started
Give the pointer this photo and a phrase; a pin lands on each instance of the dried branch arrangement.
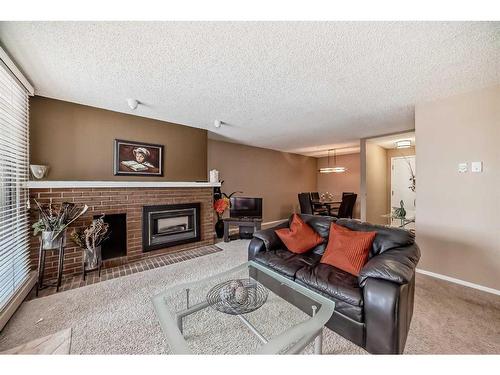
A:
(55, 219)
(92, 236)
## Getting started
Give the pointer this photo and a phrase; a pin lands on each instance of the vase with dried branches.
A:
(90, 240)
(53, 221)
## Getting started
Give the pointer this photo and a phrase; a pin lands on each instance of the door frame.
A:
(362, 156)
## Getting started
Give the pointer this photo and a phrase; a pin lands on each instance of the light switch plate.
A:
(462, 167)
(476, 166)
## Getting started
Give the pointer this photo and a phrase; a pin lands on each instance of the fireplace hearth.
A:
(170, 225)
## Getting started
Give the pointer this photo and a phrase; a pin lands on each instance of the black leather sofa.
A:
(372, 310)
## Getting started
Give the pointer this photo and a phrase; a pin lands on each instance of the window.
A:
(14, 164)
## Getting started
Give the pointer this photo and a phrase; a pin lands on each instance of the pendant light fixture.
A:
(335, 168)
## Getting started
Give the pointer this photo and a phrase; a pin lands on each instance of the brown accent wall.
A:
(76, 141)
(275, 176)
(457, 222)
(129, 201)
(337, 183)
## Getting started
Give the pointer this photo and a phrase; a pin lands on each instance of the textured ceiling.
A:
(292, 86)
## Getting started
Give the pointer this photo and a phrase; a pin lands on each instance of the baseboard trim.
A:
(460, 282)
(273, 223)
(17, 299)
(234, 230)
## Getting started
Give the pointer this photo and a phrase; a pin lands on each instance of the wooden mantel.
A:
(45, 184)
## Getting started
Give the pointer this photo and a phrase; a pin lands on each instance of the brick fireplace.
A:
(128, 199)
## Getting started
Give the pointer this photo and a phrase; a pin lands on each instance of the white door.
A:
(401, 187)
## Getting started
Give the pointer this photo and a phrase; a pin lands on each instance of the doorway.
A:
(403, 171)
(387, 178)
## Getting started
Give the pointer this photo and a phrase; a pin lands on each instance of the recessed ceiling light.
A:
(132, 103)
(218, 123)
(406, 143)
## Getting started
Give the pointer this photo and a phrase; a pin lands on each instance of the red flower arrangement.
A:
(221, 205)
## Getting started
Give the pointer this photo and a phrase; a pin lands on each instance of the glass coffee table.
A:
(241, 311)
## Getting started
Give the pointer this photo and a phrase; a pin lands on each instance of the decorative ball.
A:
(227, 293)
(234, 284)
(241, 295)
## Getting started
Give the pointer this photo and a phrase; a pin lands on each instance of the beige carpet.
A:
(117, 317)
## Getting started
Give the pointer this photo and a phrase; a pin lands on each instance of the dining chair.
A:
(306, 205)
(320, 208)
(346, 206)
(315, 196)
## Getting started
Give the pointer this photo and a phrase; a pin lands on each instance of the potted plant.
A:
(221, 204)
(90, 240)
(53, 221)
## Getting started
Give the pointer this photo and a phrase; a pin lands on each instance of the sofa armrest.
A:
(269, 236)
(395, 265)
(265, 240)
(388, 309)
(256, 246)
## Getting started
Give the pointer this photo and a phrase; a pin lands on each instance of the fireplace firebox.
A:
(116, 244)
(170, 225)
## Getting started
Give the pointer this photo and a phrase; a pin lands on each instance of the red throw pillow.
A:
(300, 238)
(348, 249)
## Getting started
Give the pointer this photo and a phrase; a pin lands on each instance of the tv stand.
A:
(246, 225)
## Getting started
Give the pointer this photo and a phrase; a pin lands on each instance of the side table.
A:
(253, 223)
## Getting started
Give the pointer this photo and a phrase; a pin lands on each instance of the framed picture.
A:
(138, 159)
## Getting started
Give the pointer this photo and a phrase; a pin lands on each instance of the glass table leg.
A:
(318, 341)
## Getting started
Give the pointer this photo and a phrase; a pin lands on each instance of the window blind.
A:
(14, 164)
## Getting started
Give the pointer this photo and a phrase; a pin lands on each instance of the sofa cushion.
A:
(286, 262)
(387, 238)
(334, 283)
(300, 237)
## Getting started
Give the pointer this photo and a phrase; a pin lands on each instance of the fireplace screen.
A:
(173, 225)
(170, 225)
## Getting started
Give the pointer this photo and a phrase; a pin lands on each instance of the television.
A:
(244, 207)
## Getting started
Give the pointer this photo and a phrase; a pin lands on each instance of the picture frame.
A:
(132, 158)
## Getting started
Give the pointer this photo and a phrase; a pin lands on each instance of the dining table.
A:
(327, 203)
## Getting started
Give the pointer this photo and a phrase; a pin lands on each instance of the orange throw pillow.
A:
(348, 249)
(300, 238)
